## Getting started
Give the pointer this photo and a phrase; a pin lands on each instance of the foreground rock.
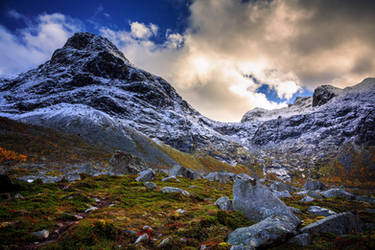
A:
(146, 175)
(321, 211)
(124, 163)
(339, 224)
(313, 185)
(224, 203)
(6, 184)
(175, 190)
(338, 193)
(276, 228)
(177, 170)
(257, 202)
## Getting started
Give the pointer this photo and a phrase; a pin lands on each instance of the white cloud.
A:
(141, 31)
(34, 44)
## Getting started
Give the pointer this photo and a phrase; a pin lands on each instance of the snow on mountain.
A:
(88, 87)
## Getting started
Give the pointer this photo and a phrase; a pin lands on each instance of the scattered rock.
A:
(338, 193)
(177, 170)
(164, 243)
(320, 211)
(314, 194)
(281, 186)
(19, 196)
(171, 179)
(295, 210)
(339, 224)
(300, 240)
(224, 203)
(142, 238)
(257, 202)
(276, 228)
(150, 185)
(90, 209)
(175, 190)
(306, 199)
(146, 175)
(125, 163)
(284, 193)
(180, 211)
(41, 235)
(313, 185)
(222, 177)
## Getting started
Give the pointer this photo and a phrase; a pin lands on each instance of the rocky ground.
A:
(150, 210)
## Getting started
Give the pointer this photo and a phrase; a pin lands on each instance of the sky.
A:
(224, 57)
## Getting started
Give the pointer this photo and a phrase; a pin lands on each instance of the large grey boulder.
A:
(339, 224)
(257, 202)
(224, 203)
(175, 190)
(313, 185)
(125, 163)
(300, 240)
(338, 193)
(276, 228)
(146, 175)
(320, 211)
(178, 170)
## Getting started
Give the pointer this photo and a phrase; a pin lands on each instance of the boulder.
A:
(300, 240)
(314, 194)
(338, 193)
(284, 194)
(276, 228)
(146, 175)
(125, 163)
(41, 235)
(222, 177)
(281, 186)
(224, 203)
(6, 184)
(306, 199)
(177, 170)
(171, 179)
(339, 224)
(295, 210)
(257, 202)
(320, 211)
(313, 185)
(175, 190)
(150, 185)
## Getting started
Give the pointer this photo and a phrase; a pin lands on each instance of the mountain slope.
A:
(90, 89)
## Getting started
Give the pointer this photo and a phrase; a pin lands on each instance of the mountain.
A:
(88, 88)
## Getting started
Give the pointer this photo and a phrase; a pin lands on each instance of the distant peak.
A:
(80, 40)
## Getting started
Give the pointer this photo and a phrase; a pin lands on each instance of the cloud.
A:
(28, 47)
(141, 31)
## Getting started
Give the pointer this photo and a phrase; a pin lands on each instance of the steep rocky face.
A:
(89, 88)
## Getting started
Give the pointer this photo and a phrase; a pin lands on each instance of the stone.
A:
(339, 224)
(178, 170)
(224, 203)
(281, 186)
(72, 177)
(146, 175)
(150, 185)
(90, 209)
(125, 163)
(300, 240)
(314, 194)
(6, 184)
(175, 190)
(19, 196)
(306, 199)
(284, 194)
(338, 193)
(41, 235)
(163, 243)
(321, 211)
(313, 185)
(257, 202)
(171, 179)
(222, 177)
(275, 228)
(180, 211)
(295, 210)
(142, 238)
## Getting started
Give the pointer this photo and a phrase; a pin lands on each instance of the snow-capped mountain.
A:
(89, 88)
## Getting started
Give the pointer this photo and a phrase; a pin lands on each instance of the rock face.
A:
(339, 224)
(89, 88)
(125, 163)
(177, 170)
(257, 202)
(271, 230)
(224, 203)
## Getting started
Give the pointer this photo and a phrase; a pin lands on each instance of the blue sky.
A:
(206, 48)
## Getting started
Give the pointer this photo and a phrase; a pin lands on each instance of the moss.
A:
(234, 219)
